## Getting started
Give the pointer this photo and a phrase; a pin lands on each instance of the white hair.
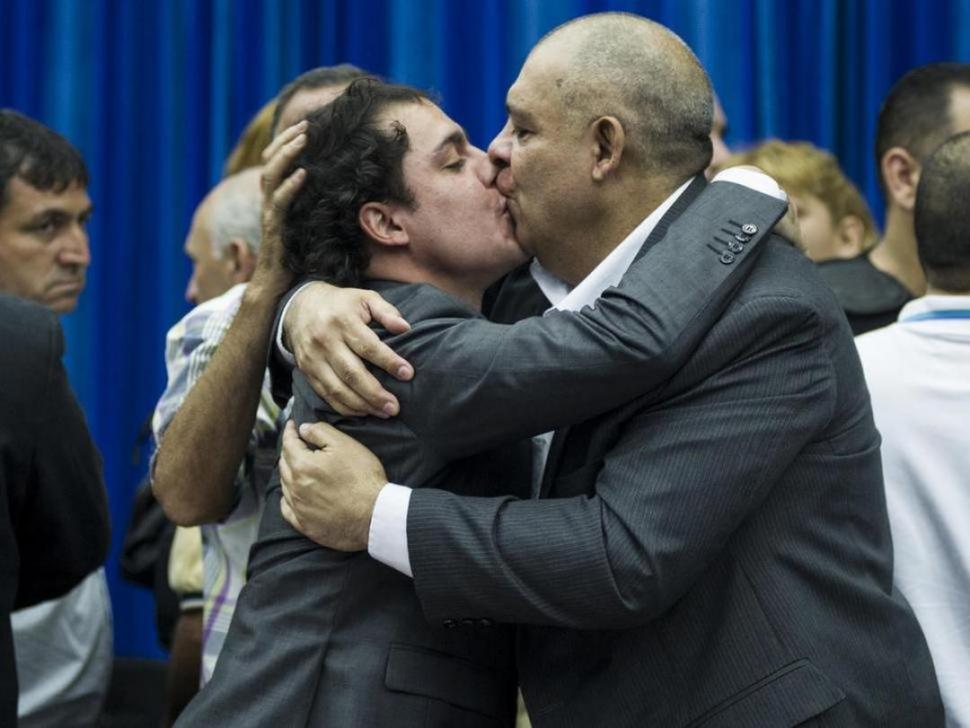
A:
(235, 211)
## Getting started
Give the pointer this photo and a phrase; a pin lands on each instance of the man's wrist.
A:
(282, 340)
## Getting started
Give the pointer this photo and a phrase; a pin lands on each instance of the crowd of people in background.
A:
(785, 586)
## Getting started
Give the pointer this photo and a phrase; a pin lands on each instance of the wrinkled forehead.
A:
(22, 199)
(542, 82)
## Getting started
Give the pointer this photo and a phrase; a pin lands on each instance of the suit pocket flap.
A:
(785, 698)
(420, 671)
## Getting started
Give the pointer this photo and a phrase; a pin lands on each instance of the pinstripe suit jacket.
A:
(324, 638)
(715, 554)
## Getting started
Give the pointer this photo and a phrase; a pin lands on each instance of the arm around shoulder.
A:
(659, 507)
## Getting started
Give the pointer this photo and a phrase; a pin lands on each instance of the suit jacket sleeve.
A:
(679, 481)
(62, 527)
(478, 384)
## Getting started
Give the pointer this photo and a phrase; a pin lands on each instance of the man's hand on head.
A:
(329, 492)
(327, 330)
(278, 193)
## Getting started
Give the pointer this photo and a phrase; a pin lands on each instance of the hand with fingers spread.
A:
(278, 193)
(327, 329)
(330, 483)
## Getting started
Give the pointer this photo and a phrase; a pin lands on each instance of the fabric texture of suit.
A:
(53, 508)
(329, 639)
(714, 554)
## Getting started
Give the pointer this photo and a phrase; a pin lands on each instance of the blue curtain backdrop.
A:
(155, 93)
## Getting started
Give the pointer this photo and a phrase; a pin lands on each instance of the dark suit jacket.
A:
(713, 554)
(53, 511)
(328, 639)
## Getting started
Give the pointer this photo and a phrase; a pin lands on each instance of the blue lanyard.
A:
(943, 313)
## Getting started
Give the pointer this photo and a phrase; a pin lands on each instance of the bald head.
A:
(622, 65)
(233, 210)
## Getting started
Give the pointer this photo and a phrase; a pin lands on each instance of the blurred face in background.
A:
(211, 273)
(44, 253)
(823, 237)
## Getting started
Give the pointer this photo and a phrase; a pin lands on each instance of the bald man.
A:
(715, 555)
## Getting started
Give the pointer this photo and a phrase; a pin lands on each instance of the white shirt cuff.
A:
(387, 540)
(758, 181)
(284, 352)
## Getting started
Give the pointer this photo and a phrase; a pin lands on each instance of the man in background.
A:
(53, 510)
(927, 105)
(63, 646)
(918, 371)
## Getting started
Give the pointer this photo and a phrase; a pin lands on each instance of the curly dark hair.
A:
(349, 160)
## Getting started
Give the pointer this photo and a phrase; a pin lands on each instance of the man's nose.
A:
(500, 149)
(76, 251)
(192, 291)
(485, 169)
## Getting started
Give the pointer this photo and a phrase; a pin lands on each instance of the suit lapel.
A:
(559, 440)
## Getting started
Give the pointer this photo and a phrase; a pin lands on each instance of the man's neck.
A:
(896, 255)
(591, 246)
(404, 271)
(933, 291)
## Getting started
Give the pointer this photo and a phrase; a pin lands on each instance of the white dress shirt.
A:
(918, 372)
(388, 538)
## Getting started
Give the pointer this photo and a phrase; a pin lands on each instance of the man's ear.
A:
(850, 234)
(381, 223)
(900, 172)
(240, 260)
(609, 140)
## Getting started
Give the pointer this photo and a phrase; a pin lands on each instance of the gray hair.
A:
(235, 211)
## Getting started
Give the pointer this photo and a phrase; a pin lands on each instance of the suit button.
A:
(741, 237)
(749, 228)
(449, 624)
(727, 257)
(468, 622)
(485, 622)
(735, 247)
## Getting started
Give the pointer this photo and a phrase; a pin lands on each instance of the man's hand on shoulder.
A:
(759, 180)
(327, 329)
(330, 483)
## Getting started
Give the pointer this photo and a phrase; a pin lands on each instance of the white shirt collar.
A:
(935, 302)
(917, 316)
(609, 271)
(613, 267)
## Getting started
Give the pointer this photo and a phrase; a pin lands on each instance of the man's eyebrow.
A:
(58, 213)
(457, 138)
(517, 112)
